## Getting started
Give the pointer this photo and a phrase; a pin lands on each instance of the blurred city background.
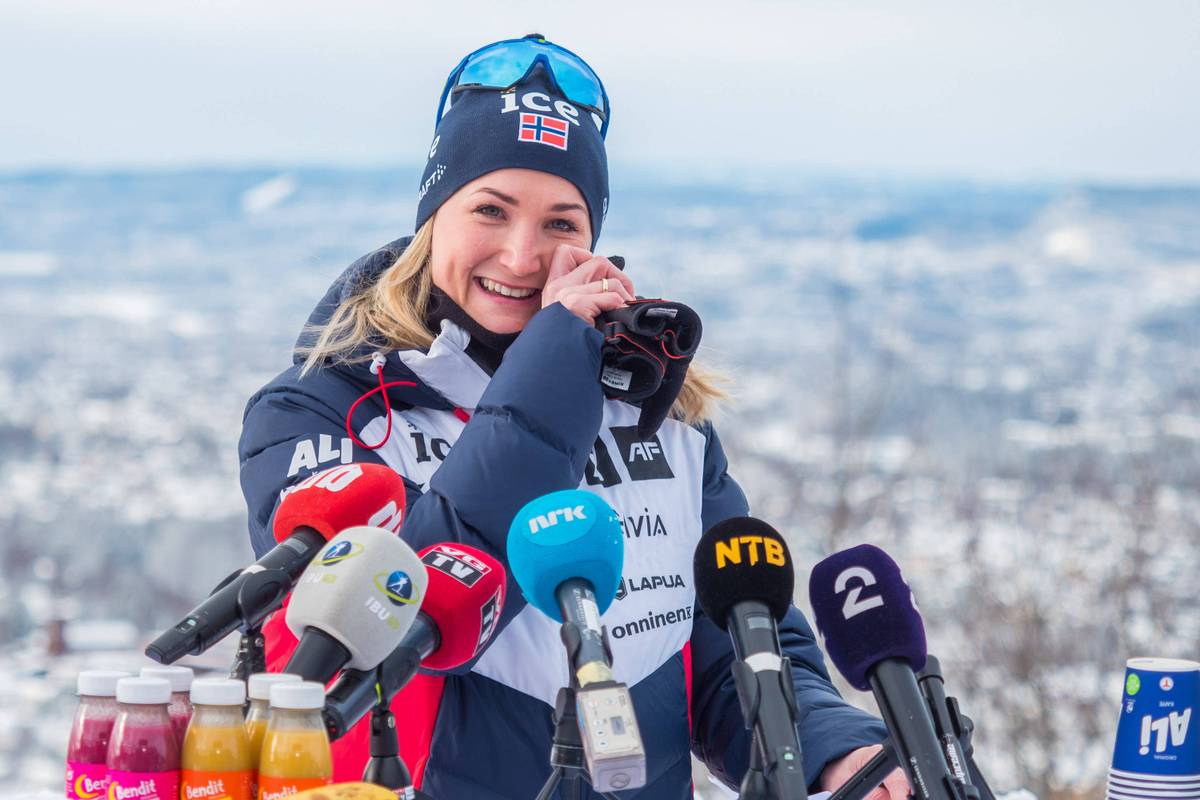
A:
(949, 260)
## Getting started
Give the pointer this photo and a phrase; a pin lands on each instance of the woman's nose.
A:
(522, 251)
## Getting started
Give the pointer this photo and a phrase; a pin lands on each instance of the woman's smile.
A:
(507, 293)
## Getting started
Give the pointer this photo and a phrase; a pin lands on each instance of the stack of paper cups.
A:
(1157, 754)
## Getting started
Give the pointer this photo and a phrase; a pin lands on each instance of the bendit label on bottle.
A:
(86, 781)
(124, 785)
(273, 788)
(198, 784)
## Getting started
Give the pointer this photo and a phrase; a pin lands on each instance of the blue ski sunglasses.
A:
(501, 65)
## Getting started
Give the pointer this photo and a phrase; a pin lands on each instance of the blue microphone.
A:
(565, 551)
(874, 635)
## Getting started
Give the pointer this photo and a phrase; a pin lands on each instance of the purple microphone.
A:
(875, 637)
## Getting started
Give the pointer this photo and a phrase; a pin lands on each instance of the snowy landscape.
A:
(996, 383)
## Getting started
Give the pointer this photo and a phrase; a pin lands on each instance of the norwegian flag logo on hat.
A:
(543, 129)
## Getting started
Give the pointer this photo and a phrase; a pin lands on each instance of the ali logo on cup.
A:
(1167, 683)
(397, 587)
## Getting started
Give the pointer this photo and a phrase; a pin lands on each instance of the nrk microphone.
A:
(313, 511)
(566, 550)
(462, 605)
(874, 635)
(744, 582)
(354, 603)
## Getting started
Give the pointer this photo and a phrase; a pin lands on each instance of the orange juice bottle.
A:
(295, 751)
(259, 689)
(216, 762)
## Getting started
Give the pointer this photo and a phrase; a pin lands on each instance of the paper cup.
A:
(1157, 752)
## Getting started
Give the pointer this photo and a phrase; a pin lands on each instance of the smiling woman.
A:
(467, 358)
(500, 234)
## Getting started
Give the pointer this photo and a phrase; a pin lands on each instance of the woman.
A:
(489, 311)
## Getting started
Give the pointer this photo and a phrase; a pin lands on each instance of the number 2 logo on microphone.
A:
(854, 605)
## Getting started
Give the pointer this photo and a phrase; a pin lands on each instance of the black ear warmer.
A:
(647, 348)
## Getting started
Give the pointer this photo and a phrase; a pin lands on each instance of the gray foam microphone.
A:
(354, 603)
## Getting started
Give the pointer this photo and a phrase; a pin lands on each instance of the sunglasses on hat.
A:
(501, 65)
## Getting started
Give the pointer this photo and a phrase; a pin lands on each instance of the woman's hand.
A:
(895, 785)
(586, 285)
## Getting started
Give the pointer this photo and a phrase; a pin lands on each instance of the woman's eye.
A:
(565, 225)
(489, 210)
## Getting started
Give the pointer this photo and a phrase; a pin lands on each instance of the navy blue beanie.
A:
(529, 126)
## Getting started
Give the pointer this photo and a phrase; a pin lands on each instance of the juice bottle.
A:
(295, 751)
(259, 687)
(216, 758)
(180, 709)
(87, 747)
(143, 754)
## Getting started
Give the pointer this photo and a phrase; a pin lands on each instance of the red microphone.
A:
(339, 498)
(312, 512)
(463, 601)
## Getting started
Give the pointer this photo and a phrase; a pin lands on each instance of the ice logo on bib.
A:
(340, 552)
(397, 587)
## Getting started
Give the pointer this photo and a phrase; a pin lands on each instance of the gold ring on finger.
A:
(604, 285)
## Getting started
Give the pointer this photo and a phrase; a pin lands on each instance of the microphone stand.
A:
(266, 585)
(251, 657)
(754, 784)
(954, 729)
(949, 723)
(385, 767)
(566, 749)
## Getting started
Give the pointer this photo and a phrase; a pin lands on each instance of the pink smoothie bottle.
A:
(87, 747)
(180, 709)
(143, 753)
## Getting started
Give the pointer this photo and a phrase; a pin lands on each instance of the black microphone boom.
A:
(357, 691)
(242, 600)
(907, 718)
(744, 583)
(591, 660)
(763, 678)
(876, 638)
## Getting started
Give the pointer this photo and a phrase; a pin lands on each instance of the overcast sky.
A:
(1089, 89)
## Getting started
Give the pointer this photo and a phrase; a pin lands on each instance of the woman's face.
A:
(493, 239)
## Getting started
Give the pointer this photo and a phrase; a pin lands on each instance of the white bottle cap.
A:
(144, 691)
(99, 682)
(303, 695)
(180, 678)
(218, 692)
(261, 683)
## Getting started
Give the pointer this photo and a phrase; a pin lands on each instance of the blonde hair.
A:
(390, 314)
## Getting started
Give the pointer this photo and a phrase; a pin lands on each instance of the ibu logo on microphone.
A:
(339, 552)
(397, 587)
